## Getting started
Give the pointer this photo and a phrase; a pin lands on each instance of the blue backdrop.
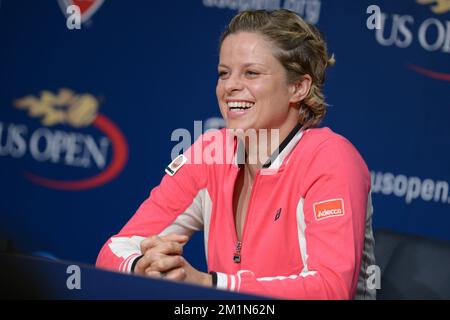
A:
(86, 115)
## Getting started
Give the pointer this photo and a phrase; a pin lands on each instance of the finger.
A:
(154, 274)
(169, 248)
(142, 264)
(178, 274)
(155, 240)
(180, 238)
(160, 251)
(149, 243)
(157, 253)
(166, 264)
(146, 260)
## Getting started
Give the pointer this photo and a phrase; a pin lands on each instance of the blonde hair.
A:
(300, 48)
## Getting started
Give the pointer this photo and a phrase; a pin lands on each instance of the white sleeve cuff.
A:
(222, 280)
(226, 282)
(128, 263)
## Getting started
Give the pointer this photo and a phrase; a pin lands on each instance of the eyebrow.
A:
(245, 64)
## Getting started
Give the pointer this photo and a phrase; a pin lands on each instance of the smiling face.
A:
(252, 89)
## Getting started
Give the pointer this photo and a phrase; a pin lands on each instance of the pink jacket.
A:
(308, 229)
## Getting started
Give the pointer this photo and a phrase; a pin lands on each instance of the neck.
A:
(261, 146)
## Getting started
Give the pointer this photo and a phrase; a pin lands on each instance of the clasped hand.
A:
(162, 258)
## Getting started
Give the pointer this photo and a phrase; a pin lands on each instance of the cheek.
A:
(269, 94)
(274, 101)
(219, 95)
(258, 92)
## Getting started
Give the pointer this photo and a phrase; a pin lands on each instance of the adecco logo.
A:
(103, 150)
(432, 34)
(87, 7)
(328, 209)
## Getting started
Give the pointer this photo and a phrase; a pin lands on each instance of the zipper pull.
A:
(237, 252)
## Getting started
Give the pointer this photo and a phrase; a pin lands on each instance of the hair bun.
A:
(331, 61)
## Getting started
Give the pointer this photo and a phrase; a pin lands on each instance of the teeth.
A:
(241, 105)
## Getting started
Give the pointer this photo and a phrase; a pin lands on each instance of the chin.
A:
(238, 125)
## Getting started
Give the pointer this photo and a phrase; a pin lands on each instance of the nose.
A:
(233, 83)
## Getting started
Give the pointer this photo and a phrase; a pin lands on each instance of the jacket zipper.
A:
(237, 252)
(238, 248)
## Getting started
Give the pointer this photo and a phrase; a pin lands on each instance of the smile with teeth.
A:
(235, 106)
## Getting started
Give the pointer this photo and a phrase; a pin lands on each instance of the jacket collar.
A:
(276, 159)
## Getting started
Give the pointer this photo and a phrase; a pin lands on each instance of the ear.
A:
(300, 89)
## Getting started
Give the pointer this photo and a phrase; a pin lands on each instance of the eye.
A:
(222, 74)
(252, 73)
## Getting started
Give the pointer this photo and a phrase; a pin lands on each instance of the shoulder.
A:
(320, 140)
(323, 148)
(318, 136)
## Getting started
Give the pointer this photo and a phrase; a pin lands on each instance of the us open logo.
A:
(71, 145)
(432, 34)
(87, 7)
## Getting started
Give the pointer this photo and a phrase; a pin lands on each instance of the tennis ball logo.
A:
(65, 107)
(82, 111)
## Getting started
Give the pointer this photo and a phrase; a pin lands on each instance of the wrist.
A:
(207, 280)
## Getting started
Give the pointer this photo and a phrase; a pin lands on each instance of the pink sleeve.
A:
(173, 206)
(331, 226)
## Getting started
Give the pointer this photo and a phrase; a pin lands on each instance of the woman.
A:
(294, 223)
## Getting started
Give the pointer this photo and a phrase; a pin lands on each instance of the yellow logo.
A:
(439, 7)
(66, 107)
